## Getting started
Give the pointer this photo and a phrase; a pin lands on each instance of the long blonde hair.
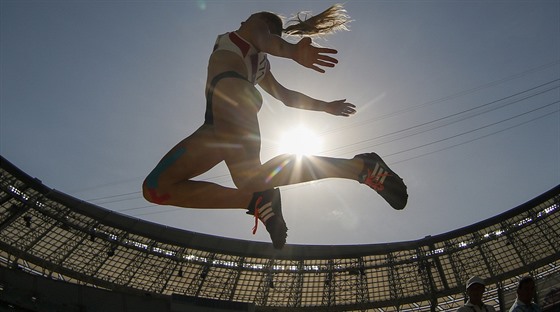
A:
(327, 22)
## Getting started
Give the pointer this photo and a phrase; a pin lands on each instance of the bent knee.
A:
(146, 192)
(155, 195)
(152, 186)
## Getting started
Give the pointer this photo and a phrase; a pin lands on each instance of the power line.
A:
(458, 119)
(405, 110)
(548, 114)
(423, 145)
(409, 129)
(449, 97)
(474, 130)
(112, 196)
(456, 115)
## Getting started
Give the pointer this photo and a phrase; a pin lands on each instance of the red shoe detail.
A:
(377, 175)
(375, 181)
(266, 207)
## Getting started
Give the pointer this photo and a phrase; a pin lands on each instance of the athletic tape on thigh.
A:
(152, 181)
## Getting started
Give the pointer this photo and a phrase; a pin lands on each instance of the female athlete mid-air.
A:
(230, 131)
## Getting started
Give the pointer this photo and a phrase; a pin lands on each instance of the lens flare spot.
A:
(201, 4)
(300, 141)
(277, 170)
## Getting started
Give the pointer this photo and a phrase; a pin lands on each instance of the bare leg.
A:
(170, 182)
(291, 169)
(242, 131)
(235, 138)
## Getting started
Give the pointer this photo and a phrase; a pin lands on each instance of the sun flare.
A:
(300, 141)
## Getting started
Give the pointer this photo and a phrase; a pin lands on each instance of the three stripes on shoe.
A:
(376, 177)
(263, 213)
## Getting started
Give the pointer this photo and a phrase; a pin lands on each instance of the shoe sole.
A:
(394, 191)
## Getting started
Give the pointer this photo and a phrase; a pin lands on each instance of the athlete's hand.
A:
(340, 108)
(313, 57)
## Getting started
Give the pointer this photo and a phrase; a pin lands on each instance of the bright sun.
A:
(299, 141)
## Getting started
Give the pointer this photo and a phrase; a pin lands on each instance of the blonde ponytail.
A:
(327, 22)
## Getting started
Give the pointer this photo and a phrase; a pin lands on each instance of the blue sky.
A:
(459, 97)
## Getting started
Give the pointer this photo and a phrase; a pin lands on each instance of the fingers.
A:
(327, 58)
(318, 69)
(347, 108)
(326, 51)
(341, 108)
(324, 61)
(347, 112)
(326, 64)
(306, 41)
(313, 57)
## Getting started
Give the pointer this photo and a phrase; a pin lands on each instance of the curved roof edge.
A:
(211, 243)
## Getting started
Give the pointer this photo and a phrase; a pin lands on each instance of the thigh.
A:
(236, 103)
(191, 157)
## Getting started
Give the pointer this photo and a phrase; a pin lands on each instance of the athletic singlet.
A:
(256, 63)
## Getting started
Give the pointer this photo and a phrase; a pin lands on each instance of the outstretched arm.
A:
(303, 52)
(299, 100)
